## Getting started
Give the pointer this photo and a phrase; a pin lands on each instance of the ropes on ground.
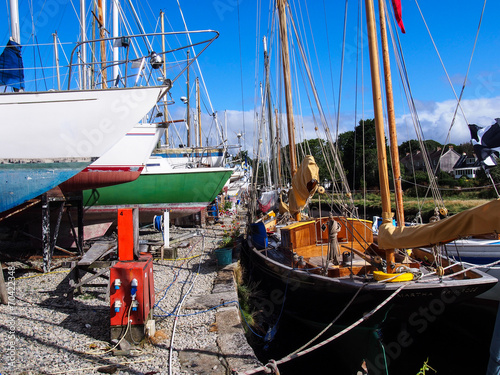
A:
(179, 307)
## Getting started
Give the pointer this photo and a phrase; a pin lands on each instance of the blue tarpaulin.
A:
(11, 66)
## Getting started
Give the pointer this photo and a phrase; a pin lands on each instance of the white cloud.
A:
(436, 118)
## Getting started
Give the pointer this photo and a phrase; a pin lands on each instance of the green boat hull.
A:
(181, 191)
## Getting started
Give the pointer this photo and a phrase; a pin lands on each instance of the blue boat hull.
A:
(24, 181)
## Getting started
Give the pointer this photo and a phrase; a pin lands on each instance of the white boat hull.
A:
(44, 131)
(124, 162)
(479, 252)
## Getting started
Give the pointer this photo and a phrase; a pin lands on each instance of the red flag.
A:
(396, 4)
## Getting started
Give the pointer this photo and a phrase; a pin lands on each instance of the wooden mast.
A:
(288, 89)
(287, 83)
(379, 124)
(278, 147)
(272, 143)
(400, 218)
(102, 35)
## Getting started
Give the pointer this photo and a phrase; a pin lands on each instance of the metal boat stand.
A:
(64, 202)
(90, 263)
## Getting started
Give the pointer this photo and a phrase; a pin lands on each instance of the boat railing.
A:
(150, 62)
(140, 62)
(189, 157)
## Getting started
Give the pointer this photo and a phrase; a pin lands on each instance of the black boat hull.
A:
(320, 299)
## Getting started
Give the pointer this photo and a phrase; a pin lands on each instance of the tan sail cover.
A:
(283, 207)
(304, 184)
(483, 219)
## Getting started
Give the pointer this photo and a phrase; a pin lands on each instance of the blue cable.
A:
(174, 280)
(248, 325)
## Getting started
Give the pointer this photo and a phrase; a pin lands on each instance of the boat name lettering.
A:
(414, 294)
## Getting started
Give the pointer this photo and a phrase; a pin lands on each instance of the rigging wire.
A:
(399, 57)
(466, 75)
(360, 52)
(333, 150)
(329, 57)
(199, 69)
(332, 338)
(441, 60)
(241, 73)
(341, 71)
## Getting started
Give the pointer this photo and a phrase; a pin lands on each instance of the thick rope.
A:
(334, 337)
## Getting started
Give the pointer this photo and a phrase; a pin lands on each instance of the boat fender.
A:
(392, 277)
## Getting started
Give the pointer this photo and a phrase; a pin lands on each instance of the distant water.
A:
(454, 341)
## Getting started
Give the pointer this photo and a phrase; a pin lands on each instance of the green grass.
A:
(244, 293)
(413, 207)
(454, 204)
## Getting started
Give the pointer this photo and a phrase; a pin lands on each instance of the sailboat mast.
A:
(164, 69)
(56, 56)
(102, 35)
(396, 170)
(272, 143)
(83, 55)
(379, 124)
(15, 34)
(198, 107)
(116, 33)
(278, 147)
(188, 115)
(287, 83)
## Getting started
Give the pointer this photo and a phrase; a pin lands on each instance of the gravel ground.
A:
(43, 332)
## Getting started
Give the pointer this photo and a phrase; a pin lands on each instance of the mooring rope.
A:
(289, 357)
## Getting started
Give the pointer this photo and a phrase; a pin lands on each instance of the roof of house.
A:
(417, 155)
(464, 162)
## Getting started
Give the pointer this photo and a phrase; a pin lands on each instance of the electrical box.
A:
(131, 297)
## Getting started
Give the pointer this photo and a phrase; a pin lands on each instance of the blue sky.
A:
(229, 64)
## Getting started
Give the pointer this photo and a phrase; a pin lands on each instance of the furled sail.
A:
(304, 184)
(483, 219)
(11, 66)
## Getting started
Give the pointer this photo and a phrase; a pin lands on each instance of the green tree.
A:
(413, 145)
(465, 147)
(356, 163)
(242, 156)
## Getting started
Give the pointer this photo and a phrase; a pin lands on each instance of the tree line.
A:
(358, 153)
